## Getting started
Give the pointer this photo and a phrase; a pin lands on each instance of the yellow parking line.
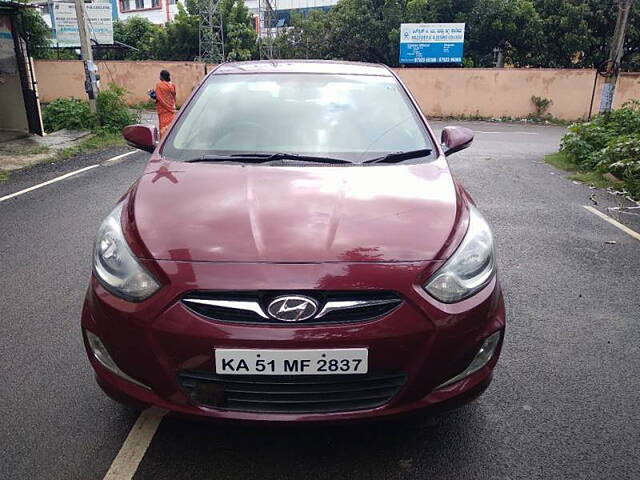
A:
(126, 463)
(613, 222)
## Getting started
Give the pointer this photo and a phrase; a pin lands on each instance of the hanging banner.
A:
(431, 42)
(99, 19)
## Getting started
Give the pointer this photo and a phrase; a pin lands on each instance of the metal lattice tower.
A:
(268, 11)
(211, 33)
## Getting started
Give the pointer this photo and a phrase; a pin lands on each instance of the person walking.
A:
(165, 101)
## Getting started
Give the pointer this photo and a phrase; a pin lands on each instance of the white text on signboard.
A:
(99, 20)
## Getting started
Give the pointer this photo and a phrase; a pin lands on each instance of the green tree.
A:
(308, 36)
(137, 32)
(178, 40)
(601, 17)
(35, 32)
(366, 30)
(577, 33)
(539, 33)
(566, 33)
(438, 11)
(239, 34)
(512, 24)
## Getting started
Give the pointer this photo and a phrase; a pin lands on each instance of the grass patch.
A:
(531, 119)
(27, 150)
(562, 161)
(35, 150)
(102, 139)
(594, 179)
(4, 175)
(148, 105)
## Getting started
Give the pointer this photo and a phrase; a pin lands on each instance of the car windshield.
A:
(348, 117)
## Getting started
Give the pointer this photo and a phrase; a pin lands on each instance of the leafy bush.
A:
(584, 142)
(113, 112)
(609, 143)
(542, 104)
(622, 158)
(68, 113)
(541, 114)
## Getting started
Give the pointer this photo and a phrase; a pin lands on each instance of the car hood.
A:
(300, 214)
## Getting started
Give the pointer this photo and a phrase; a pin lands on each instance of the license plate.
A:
(339, 361)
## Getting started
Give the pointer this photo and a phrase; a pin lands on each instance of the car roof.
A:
(303, 66)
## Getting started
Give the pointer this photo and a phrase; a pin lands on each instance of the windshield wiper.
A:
(228, 158)
(266, 157)
(400, 156)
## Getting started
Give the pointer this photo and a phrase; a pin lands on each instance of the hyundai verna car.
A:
(296, 250)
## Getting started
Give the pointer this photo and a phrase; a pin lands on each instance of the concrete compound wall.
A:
(440, 92)
(507, 92)
(65, 78)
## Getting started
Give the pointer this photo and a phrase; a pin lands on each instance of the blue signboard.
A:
(431, 42)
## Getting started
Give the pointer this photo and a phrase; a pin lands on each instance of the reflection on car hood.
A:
(236, 213)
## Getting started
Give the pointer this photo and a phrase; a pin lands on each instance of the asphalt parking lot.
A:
(563, 403)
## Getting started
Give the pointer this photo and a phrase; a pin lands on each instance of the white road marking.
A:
(126, 463)
(613, 222)
(66, 175)
(48, 182)
(118, 157)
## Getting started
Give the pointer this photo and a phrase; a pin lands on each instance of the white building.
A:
(156, 11)
(282, 10)
(254, 5)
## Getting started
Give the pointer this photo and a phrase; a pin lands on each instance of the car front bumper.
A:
(152, 342)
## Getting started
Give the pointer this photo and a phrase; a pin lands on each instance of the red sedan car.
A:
(295, 250)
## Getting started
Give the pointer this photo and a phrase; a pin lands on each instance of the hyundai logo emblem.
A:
(291, 308)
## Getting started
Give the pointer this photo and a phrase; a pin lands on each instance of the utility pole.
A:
(615, 55)
(90, 68)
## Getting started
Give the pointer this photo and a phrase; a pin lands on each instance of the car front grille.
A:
(252, 307)
(291, 394)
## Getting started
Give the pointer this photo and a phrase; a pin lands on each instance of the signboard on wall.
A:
(7, 49)
(99, 19)
(431, 42)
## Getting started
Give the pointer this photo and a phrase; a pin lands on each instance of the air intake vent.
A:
(291, 394)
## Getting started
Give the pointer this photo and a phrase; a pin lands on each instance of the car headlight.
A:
(471, 266)
(116, 267)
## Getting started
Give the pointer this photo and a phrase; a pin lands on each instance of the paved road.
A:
(563, 404)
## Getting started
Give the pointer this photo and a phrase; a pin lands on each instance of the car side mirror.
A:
(144, 137)
(454, 139)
